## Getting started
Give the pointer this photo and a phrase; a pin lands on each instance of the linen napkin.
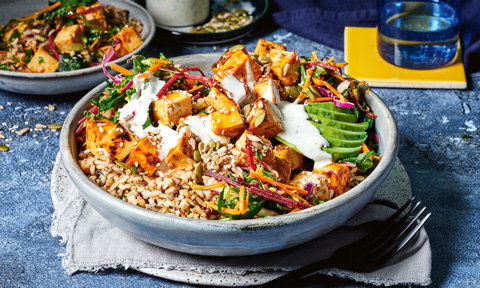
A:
(324, 22)
(93, 244)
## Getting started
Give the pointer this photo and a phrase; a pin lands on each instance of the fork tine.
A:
(395, 246)
(374, 235)
(386, 231)
(392, 233)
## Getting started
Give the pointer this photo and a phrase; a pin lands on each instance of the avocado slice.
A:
(338, 133)
(288, 144)
(319, 113)
(339, 142)
(331, 106)
(357, 127)
(341, 152)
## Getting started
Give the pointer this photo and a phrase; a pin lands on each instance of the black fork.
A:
(371, 251)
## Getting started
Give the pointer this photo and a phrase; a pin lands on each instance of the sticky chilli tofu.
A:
(270, 131)
(66, 36)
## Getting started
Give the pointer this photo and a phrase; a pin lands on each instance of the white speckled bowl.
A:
(229, 238)
(70, 81)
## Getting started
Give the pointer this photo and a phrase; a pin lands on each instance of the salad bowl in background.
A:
(69, 81)
(236, 237)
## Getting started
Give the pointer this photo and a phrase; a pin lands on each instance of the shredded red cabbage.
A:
(351, 165)
(86, 11)
(129, 84)
(107, 57)
(341, 104)
(309, 187)
(50, 43)
(176, 76)
(251, 158)
(356, 101)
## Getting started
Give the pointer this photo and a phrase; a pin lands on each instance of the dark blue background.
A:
(443, 168)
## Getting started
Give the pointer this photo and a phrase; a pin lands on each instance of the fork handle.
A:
(287, 279)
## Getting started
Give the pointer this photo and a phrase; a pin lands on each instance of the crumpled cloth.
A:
(93, 244)
(324, 21)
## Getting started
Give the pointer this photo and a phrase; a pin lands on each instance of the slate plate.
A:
(70, 81)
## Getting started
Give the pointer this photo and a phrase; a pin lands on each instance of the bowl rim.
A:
(148, 38)
(76, 174)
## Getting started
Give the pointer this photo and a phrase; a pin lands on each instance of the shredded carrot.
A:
(195, 88)
(161, 61)
(376, 157)
(330, 87)
(211, 205)
(190, 81)
(365, 148)
(330, 60)
(205, 187)
(337, 76)
(320, 99)
(231, 211)
(270, 181)
(41, 11)
(120, 69)
(314, 56)
(317, 81)
(294, 210)
(155, 67)
(245, 203)
(105, 48)
(291, 193)
(305, 86)
(93, 44)
(241, 197)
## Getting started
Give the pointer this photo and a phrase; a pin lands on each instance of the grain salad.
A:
(270, 133)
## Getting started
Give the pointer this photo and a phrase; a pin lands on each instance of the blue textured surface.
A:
(443, 168)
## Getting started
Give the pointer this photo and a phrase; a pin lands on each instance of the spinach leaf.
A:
(76, 3)
(362, 160)
(70, 63)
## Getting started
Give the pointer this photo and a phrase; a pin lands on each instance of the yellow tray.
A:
(365, 63)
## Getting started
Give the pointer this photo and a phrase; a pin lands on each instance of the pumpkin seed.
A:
(55, 126)
(40, 38)
(3, 147)
(240, 12)
(292, 91)
(209, 29)
(236, 47)
(199, 105)
(314, 91)
(233, 17)
(259, 119)
(201, 147)
(247, 109)
(220, 19)
(217, 145)
(236, 25)
(264, 60)
(211, 144)
(196, 156)
(77, 47)
(121, 164)
(231, 22)
(310, 94)
(199, 172)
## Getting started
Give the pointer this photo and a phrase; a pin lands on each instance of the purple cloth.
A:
(324, 22)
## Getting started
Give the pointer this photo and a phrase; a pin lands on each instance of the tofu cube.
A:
(264, 47)
(181, 155)
(285, 66)
(320, 189)
(238, 67)
(20, 28)
(283, 168)
(95, 131)
(271, 124)
(43, 62)
(144, 156)
(228, 125)
(67, 36)
(118, 142)
(286, 153)
(220, 101)
(223, 59)
(170, 108)
(130, 40)
(96, 18)
(261, 144)
(338, 177)
(268, 89)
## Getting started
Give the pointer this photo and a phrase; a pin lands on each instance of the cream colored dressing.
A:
(250, 75)
(272, 94)
(303, 134)
(135, 113)
(170, 138)
(234, 86)
(202, 127)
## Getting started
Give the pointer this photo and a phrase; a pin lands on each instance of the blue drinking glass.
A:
(418, 34)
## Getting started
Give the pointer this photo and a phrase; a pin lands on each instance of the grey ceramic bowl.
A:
(71, 81)
(229, 238)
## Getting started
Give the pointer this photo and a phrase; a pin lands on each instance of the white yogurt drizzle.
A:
(250, 76)
(139, 104)
(303, 134)
(202, 127)
(170, 138)
(272, 94)
(234, 86)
